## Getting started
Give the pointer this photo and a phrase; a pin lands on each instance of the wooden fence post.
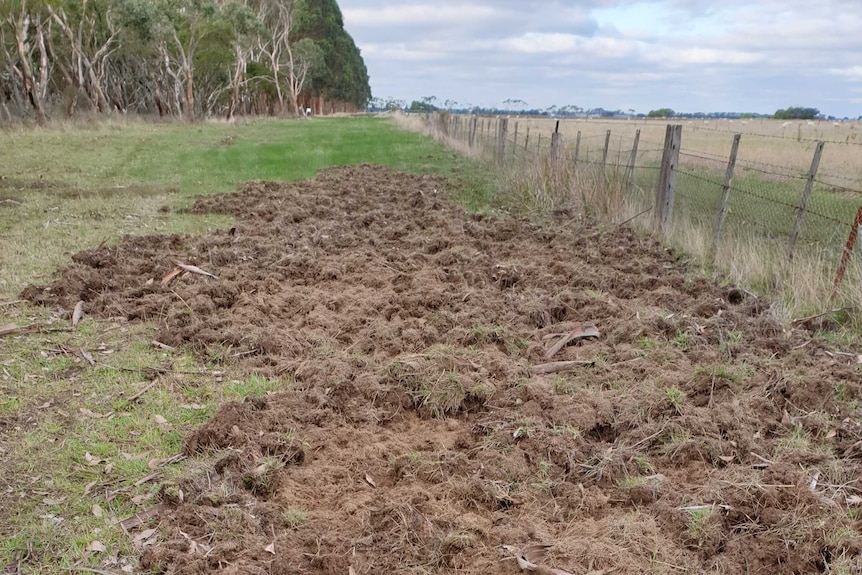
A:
(577, 147)
(473, 122)
(630, 169)
(725, 197)
(806, 196)
(667, 178)
(556, 147)
(502, 133)
(515, 140)
(539, 146)
(605, 153)
(848, 250)
(527, 139)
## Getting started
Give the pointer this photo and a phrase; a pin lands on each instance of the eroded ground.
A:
(412, 437)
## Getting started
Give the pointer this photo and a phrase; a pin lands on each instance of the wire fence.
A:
(776, 199)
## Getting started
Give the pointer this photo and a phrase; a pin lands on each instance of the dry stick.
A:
(148, 387)
(140, 518)
(163, 346)
(9, 329)
(815, 316)
(558, 366)
(646, 211)
(582, 331)
(6, 303)
(90, 570)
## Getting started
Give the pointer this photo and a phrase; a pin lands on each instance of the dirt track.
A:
(413, 437)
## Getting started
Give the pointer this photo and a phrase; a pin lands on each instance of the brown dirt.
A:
(408, 329)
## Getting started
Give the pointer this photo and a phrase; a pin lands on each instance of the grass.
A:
(75, 435)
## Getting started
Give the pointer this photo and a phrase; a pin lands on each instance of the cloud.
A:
(691, 55)
(853, 73)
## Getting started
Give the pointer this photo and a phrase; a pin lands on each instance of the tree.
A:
(424, 106)
(661, 113)
(28, 24)
(345, 77)
(797, 113)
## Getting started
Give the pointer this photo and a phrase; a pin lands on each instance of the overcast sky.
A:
(689, 55)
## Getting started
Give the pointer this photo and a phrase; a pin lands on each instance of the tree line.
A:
(180, 58)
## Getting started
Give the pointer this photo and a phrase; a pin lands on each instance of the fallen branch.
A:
(634, 217)
(12, 329)
(163, 346)
(558, 366)
(9, 329)
(171, 275)
(194, 270)
(584, 330)
(140, 518)
(147, 387)
(819, 315)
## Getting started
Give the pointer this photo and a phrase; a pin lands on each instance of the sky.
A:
(688, 55)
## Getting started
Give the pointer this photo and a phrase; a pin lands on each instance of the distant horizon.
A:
(594, 112)
(689, 55)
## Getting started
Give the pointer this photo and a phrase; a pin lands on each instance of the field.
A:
(372, 381)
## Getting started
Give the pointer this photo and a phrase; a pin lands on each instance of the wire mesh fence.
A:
(775, 203)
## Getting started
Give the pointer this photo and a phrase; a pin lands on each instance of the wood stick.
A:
(815, 316)
(584, 330)
(558, 366)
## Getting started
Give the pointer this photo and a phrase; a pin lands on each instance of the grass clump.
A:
(441, 381)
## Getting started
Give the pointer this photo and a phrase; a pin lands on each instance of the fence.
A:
(764, 206)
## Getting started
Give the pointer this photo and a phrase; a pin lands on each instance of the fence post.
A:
(473, 122)
(556, 138)
(630, 169)
(667, 178)
(556, 148)
(577, 147)
(539, 146)
(527, 139)
(515, 140)
(848, 250)
(605, 154)
(806, 196)
(502, 133)
(725, 197)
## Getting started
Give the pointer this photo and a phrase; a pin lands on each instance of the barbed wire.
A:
(773, 136)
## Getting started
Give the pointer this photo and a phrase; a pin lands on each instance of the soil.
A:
(410, 435)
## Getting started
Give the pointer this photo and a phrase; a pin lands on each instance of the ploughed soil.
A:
(411, 435)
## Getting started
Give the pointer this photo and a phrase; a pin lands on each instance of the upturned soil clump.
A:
(411, 434)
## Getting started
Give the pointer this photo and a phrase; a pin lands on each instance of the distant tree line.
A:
(186, 58)
(513, 107)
